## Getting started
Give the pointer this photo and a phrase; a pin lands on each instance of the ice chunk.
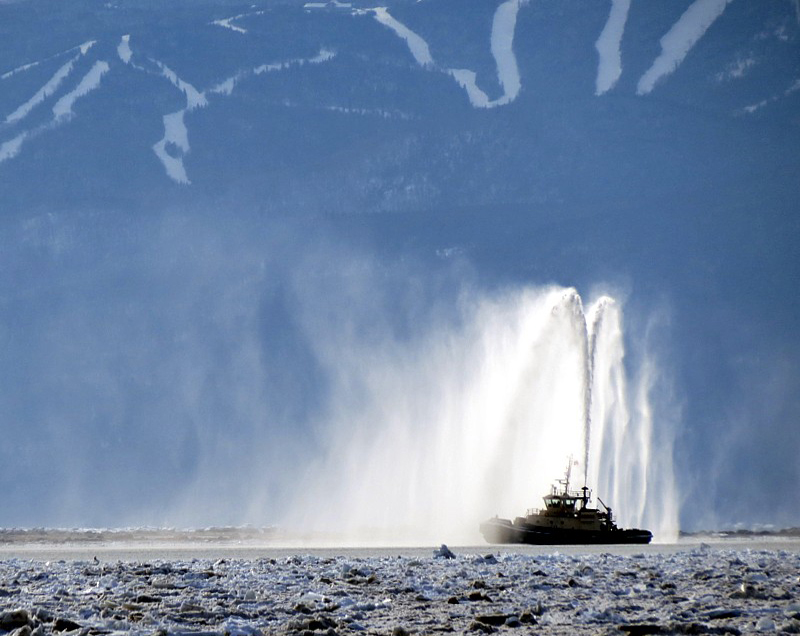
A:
(443, 553)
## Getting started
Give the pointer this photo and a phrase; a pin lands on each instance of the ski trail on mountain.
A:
(176, 136)
(679, 40)
(383, 113)
(504, 26)
(194, 98)
(174, 145)
(84, 48)
(125, 53)
(609, 67)
(226, 86)
(323, 56)
(50, 87)
(416, 44)
(227, 23)
(62, 110)
(502, 40)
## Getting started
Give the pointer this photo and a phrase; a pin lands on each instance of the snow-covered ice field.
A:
(212, 586)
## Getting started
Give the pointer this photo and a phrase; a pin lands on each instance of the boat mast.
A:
(565, 481)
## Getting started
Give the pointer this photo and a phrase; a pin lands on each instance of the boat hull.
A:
(503, 531)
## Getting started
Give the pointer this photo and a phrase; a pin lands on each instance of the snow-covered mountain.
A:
(166, 172)
(151, 99)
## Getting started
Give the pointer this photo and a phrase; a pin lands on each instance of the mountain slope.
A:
(159, 164)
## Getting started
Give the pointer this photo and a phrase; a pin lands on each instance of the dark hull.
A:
(503, 531)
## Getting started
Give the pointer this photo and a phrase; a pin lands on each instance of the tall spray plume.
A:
(478, 417)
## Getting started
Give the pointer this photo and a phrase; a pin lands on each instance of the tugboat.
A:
(565, 519)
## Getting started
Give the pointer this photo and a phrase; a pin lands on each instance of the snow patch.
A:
(90, 81)
(10, 149)
(124, 49)
(225, 87)
(736, 70)
(323, 56)
(377, 112)
(609, 67)
(331, 4)
(680, 39)
(43, 93)
(176, 135)
(758, 105)
(273, 66)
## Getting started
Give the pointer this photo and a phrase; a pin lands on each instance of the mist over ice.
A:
(246, 249)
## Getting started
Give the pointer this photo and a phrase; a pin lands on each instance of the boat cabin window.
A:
(556, 502)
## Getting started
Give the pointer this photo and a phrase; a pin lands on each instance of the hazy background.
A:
(160, 330)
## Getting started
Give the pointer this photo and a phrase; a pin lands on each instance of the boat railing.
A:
(576, 494)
